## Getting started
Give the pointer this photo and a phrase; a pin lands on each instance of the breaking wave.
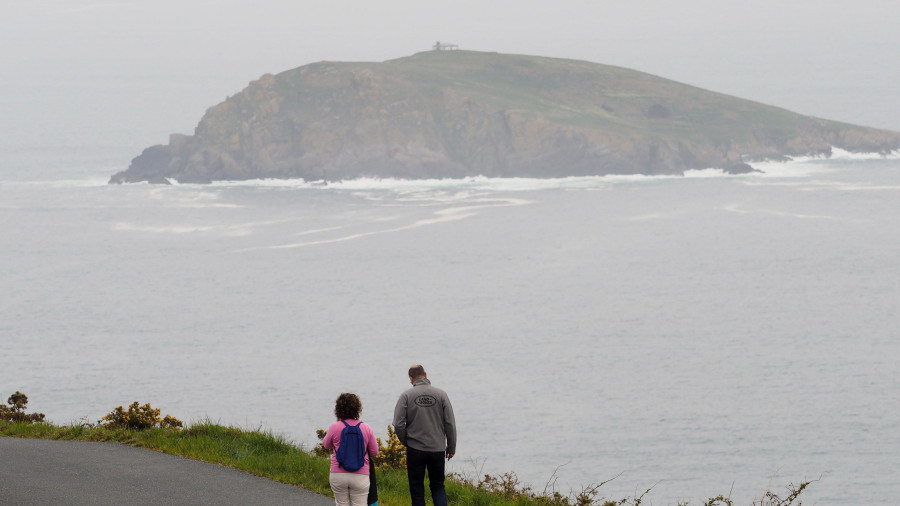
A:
(795, 167)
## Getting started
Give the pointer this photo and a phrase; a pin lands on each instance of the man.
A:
(424, 423)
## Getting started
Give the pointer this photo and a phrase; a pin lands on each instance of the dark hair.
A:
(416, 371)
(347, 407)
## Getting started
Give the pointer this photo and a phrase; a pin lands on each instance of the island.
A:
(455, 114)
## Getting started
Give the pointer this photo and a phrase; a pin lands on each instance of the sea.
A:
(694, 335)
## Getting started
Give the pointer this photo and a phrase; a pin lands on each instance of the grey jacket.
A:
(423, 419)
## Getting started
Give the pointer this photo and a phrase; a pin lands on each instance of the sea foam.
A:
(803, 166)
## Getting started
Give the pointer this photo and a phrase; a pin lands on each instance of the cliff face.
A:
(459, 113)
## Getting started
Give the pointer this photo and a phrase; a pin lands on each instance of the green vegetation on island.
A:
(269, 455)
(454, 114)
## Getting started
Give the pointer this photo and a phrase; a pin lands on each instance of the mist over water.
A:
(695, 333)
(698, 334)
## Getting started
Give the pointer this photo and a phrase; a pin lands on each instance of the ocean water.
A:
(699, 335)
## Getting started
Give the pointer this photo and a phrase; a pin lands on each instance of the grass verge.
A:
(253, 451)
(269, 455)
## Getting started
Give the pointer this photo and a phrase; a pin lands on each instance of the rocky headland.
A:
(453, 114)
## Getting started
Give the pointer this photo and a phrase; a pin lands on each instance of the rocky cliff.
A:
(460, 113)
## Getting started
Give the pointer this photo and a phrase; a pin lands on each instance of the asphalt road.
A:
(36, 471)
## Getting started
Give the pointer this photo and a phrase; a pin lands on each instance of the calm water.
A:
(701, 334)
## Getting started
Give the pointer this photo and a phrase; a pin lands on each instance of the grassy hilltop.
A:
(462, 113)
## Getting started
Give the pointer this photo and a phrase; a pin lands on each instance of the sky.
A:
(834, 59)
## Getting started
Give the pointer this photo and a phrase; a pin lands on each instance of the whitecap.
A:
(371, 187)
(450, 189)
(840, 154)
(706, 173)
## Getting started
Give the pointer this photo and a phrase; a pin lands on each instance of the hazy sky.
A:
(835, 59)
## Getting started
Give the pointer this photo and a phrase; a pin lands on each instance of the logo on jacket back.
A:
(425, 401)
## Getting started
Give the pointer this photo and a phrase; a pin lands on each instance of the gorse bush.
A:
(138, 418)
(272, 456)
(320, 450)
(390, 456)
(16, 413)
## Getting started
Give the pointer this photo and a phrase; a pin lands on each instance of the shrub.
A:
(507, 486)
(320, 450)
(390, 456)
(17, 413)
(794, 491)
(138, 418)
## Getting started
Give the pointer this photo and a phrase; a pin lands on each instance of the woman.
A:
(349, 487)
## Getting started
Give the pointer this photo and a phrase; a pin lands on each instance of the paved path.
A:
(37, 471)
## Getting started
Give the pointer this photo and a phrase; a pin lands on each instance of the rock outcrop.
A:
(453, 114)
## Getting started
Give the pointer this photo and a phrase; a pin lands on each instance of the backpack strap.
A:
(365, 439)
(359, 426)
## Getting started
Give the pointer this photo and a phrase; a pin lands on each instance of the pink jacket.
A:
(332, 441)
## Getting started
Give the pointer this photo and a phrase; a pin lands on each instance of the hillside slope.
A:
(460, 113)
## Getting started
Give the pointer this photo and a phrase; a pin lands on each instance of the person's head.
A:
(347, 406)
(417, 372)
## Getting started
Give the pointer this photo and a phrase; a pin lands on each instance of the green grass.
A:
(595, 97)
(256, 452)
(269, 455)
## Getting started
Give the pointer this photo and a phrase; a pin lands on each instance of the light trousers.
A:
(350, 489)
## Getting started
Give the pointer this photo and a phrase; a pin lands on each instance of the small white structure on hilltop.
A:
(438, 46)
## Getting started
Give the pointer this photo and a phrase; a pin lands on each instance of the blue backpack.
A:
(352, 450)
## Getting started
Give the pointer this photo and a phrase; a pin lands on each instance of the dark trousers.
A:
(417, 462)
